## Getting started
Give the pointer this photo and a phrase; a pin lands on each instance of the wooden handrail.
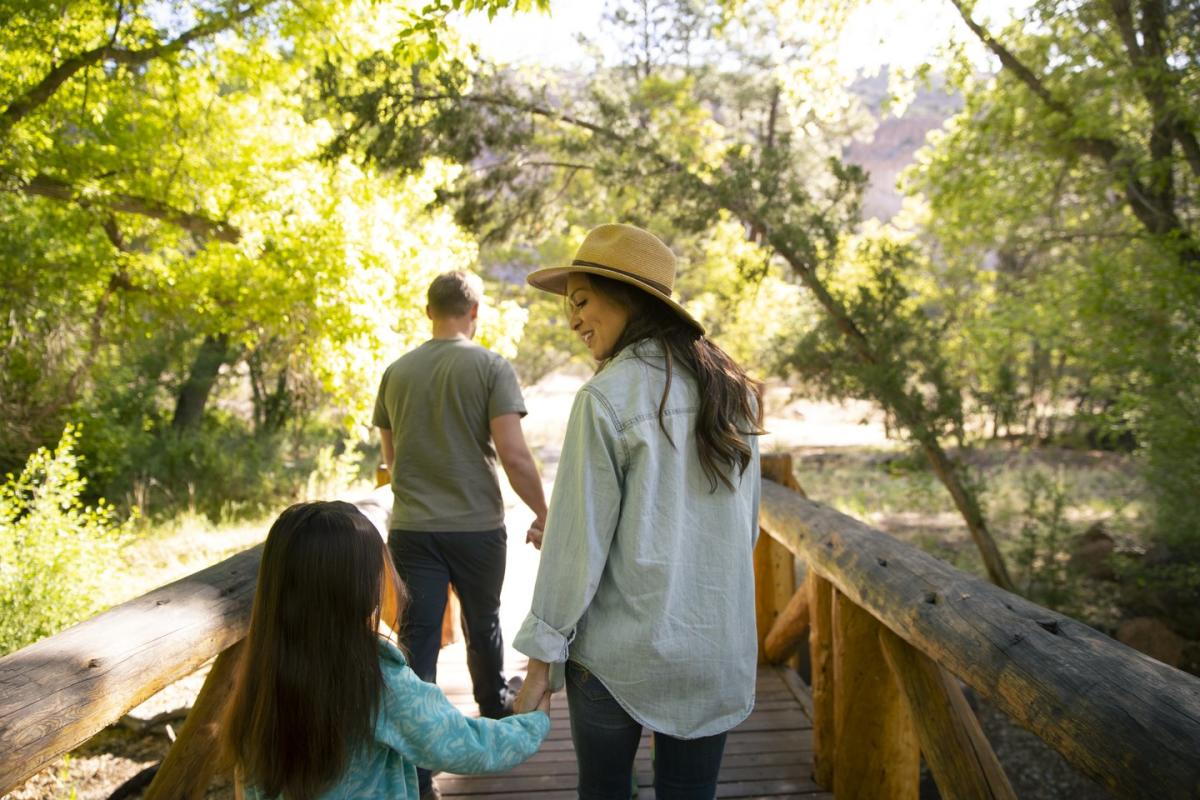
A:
(1128, 721)
(56, 693)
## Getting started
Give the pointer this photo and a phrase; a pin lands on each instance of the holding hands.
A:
(535, 692)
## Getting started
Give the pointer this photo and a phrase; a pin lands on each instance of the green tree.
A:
(707, 131)
(1075, 169)
(173, 240)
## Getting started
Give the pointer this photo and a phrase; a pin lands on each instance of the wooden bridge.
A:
(891, 633)
(768, 755)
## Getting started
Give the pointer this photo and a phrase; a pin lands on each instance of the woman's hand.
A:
(535, 692)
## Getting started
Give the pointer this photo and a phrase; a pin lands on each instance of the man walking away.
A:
(445, 411)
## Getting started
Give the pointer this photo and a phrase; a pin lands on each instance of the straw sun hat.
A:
(623, 253)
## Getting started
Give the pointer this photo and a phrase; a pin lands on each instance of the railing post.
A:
(775, 569)
(774, 584)
(955, 747)
(820, 646)
(193, 758)
(450, 621)
(876, 751)
(789, 627)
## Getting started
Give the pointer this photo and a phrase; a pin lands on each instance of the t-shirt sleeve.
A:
(505, 396)
(381, 418)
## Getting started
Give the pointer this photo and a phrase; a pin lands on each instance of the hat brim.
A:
(554, 280)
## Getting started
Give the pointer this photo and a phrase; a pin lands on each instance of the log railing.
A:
(891, 631)
(59, 692)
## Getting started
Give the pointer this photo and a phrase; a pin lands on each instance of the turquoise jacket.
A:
(417, 726)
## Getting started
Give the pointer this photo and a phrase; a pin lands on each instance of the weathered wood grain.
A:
(774, 584)
(774, 565)
(955, 748)
(193, 758)
(1128, 721)
(820, 645)
(877, 753)
(780, 468)
(789, 627)
(56, 693)
(777, 575)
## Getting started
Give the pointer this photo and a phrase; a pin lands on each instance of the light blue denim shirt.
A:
(646, 575)
(418, 726)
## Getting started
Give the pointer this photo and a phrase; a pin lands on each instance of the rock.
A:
(1191, 657)
(1154, 638)
(1159, 555)
(1091, 554)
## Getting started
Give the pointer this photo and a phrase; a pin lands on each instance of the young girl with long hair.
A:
(645, 592)
(326, 707)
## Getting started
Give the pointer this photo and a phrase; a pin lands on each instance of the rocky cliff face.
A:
(895, 141)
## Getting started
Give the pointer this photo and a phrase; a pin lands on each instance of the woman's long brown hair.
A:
(309, 683)
(727, 412)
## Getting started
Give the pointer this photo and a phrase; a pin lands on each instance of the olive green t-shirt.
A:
(438, 401)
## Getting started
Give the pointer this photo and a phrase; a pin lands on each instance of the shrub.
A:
(54, 550)
(1041, 557)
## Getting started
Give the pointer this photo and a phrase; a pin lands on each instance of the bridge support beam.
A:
(820, 647)
(193, 758)
(789, 627)
(876, 753)
(957, 751)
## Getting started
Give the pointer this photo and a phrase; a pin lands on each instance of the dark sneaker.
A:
(508, 696)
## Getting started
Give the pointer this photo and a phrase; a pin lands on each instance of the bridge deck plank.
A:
(768, 755)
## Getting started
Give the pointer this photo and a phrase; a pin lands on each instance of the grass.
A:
(1036, 502)
(164, 551)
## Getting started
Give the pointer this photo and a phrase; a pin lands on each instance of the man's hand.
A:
(535, 533)
(535, 692)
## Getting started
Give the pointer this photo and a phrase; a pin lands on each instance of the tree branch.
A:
(196, 224)
(38, 94)
(1153, 74)
(514, 104)
(1011, 62)
(1154, 209)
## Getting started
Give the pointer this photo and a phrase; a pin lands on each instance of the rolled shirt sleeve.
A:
(584, 510)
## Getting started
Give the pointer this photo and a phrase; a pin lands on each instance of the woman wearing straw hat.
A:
(645, 593)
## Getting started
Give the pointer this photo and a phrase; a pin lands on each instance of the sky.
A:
(902, 33)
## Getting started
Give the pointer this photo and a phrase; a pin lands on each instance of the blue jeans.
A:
(606, 740)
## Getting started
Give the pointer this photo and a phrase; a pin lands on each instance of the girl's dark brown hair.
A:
(308, 684)
(727, 414)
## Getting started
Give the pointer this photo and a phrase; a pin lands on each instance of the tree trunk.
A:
(908, 410)
(193, 395)
(968, 506)
(272, 407)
